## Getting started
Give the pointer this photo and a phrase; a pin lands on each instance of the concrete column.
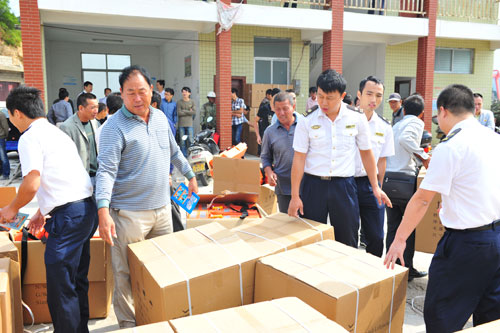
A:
(425, 62)
(333, 39)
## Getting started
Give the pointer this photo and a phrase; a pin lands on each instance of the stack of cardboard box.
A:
(11, 311)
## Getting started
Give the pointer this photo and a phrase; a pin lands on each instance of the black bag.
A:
(399, 186)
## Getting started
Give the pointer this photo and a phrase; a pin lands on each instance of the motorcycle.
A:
(201, 153)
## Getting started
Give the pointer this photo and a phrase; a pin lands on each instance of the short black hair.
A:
(371, 78)
(356, 99)
(156, 97)
(269, 92)
(102, 107)
(87, 83)
(106, 89)
(82, 99)
(347, 99)
(413, 105)
(456, 98)
(128, 71)
(313, 90)
(27, 100)
(186, 89)
(161, 82)
(63, 93)
(330, 81)
(276, 91)
(170, 91)
(114, 103)
(234, 91)
(290, 91)
(476, 95)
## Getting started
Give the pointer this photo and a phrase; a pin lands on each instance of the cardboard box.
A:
(250, 198)
(490, 327)
(199, 269)
(255, 93)
(351, 287)
(11, 311)
(430, 230)
(7, 247)
(162, 327)
(267, 199)
(7, 194)
(35, 284)
(280, 315)
(236, 175)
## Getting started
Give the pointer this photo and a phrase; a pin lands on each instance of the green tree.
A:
(8, 21)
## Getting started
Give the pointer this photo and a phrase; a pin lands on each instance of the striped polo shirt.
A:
(134, 161)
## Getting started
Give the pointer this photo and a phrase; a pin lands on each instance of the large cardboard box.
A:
(236, 175)
(208, 268)
(351, 287)
(430, 230)
(281, 315)
(11, 311)
(490, 327)
(7, 247)
(200, 217)
(255, 93)
(35, 284)
(267, 199)
(7, 194)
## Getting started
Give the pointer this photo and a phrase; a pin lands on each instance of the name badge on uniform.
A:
(315, 126)
(379, 134)
(350, 126)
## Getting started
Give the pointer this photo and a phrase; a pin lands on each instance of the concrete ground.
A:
(413, 322)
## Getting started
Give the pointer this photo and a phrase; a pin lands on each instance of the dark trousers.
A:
(372, 217)
(67, 259)
(394, 217)
(236, 129)
(336, 197)
(283, 202)
(464, 279)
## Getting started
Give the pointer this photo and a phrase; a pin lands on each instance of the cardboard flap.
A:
(7, 247)
(229, 197)
(236, 175)
(7, 194)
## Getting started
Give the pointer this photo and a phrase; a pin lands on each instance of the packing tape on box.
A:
(334, 278)
(231, 255)
(211, 323)
(267, 239)
(289, 315)
(371, 265)
(180, 270)
(309, 224)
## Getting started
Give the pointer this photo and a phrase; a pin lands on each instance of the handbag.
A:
(399, 186)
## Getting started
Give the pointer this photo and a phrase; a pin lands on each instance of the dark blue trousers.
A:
(67, 259)
(335, 197)
(464, 280)
(372, 217)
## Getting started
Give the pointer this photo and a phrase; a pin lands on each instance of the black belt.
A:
(324, 177)
(490, 226)
(67, 204)
(92, 174)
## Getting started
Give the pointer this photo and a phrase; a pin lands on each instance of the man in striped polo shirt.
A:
(135, 151)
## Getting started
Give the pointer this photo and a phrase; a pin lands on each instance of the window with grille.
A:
(458, 61)
(272, 60)
(103, 70)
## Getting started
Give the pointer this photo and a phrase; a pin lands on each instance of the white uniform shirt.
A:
(464, 169)
(382, 142)
(331, 146)
(45, 148)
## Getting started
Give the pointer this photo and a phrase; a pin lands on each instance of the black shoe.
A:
(415, 274)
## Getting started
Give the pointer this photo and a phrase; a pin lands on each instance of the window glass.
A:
(462, 61)
(262, 71)
(443, 60)
(280, 72)
(93, 61)
(113, 82)
(271, 47)
(98, 80)
(118, 61)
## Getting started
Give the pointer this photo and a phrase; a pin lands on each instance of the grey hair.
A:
(283, 96)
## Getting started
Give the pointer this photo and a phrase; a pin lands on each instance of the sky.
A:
(14, 6)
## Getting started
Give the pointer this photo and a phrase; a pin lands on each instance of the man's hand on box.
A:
(36, 223)
(295, 206)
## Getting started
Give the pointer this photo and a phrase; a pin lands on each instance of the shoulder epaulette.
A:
(385, 120)
(451, 135)
(311, 110)
(353, 108)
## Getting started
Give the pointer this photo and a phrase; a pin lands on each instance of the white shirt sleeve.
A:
(301, 137)
(388, 147)
(30, 155)
(442, 168)
(363, 137)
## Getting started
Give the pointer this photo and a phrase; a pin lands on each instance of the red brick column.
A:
(333, 39)
(223, 85)
(32, 44)
(425, 62)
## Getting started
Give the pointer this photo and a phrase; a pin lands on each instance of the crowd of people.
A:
(107, 166)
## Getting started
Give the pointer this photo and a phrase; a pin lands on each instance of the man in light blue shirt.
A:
(133, 195)
(485, 117)
(169, 108)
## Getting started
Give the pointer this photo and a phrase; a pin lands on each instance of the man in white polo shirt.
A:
(53, 171)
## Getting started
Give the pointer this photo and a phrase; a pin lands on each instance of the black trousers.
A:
(394, 217)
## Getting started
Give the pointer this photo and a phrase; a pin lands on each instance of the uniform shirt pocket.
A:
(317, 138)
(349, 137)
(162, 136)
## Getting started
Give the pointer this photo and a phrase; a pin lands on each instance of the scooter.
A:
(201, 153)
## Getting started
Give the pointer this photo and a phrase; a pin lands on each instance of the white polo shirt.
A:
(382, 141)
(47, 149)
(331, 146)
(464, 169)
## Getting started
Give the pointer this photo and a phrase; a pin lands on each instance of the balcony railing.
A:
(467, 10)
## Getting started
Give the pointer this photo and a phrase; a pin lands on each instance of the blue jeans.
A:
(237, 133)
(189, 141)
(4, 159)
